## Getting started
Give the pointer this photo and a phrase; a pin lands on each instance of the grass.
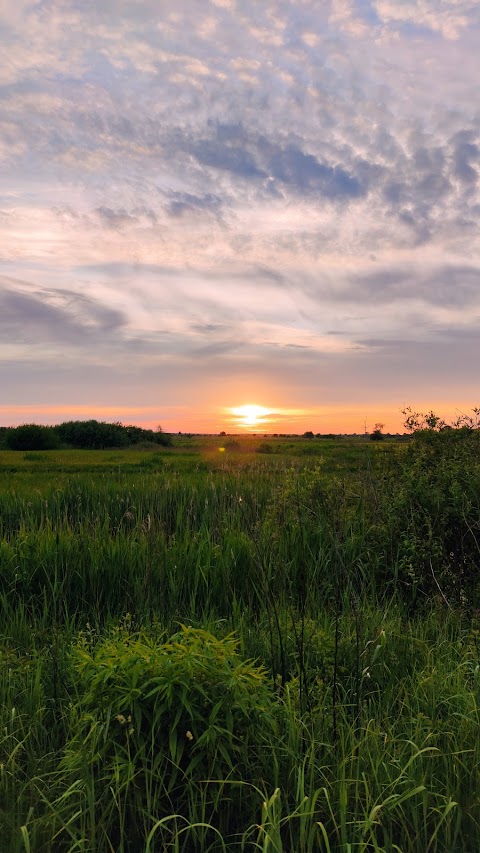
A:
(321, 696)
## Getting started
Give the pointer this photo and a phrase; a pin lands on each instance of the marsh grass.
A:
(362, 731)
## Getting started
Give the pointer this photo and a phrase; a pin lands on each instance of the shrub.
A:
(430, 513)
(32, 437)
(97, 435)
(154, 720)
(92, 434)
(137, 435)
(265, 447)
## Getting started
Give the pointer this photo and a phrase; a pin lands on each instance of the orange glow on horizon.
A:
(247, 418)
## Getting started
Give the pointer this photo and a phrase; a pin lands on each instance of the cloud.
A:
(254, 157)
(115, 218)
(48, 316)
(450, 286)
(466, 156)
(181, 203)
(120, 219)
(222, 191)
(443, 16)
(230, 157)
(304, 172)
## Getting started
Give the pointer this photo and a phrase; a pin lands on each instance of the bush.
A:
(137, 435)
(97, 435)
(92, 434)
(32, 437)
(265, 447)
(430, 514)
(154, 720)
(409, 524)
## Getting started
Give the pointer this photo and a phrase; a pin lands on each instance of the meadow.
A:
(241, 644)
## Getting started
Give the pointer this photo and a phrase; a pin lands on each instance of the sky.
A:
(208, 204)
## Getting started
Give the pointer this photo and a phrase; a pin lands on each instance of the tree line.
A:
(88, 435)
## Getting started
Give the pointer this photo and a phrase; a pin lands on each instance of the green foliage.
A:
(162, 717)
(33, 456)
(309, 655)
(32, 437)
(352, 579)
(417, 421)
(91, 434)
(137, 435)
(265, 447)
(428, 515)
(3, 436)
(94, 434)
(407, 524)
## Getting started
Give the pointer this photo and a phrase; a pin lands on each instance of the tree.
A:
(97, 435)
(93, 435)
(31, 437)
(377, 434)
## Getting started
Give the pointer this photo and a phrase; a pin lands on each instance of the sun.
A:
(251, 414)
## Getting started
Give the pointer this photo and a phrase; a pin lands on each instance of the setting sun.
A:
(250, 415)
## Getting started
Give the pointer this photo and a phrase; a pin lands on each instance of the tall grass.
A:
(363, 732)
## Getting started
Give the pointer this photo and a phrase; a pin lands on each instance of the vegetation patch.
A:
(238, 651)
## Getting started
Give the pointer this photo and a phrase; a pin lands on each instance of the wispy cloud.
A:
(221, 190)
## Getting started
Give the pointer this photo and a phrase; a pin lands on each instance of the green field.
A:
(241, 644)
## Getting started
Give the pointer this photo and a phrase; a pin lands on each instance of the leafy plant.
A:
(428, 514)
(154, 720)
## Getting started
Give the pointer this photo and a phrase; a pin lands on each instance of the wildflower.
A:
(121, 719)
(189, 735)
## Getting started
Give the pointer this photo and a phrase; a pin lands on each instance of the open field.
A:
(241, 644)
